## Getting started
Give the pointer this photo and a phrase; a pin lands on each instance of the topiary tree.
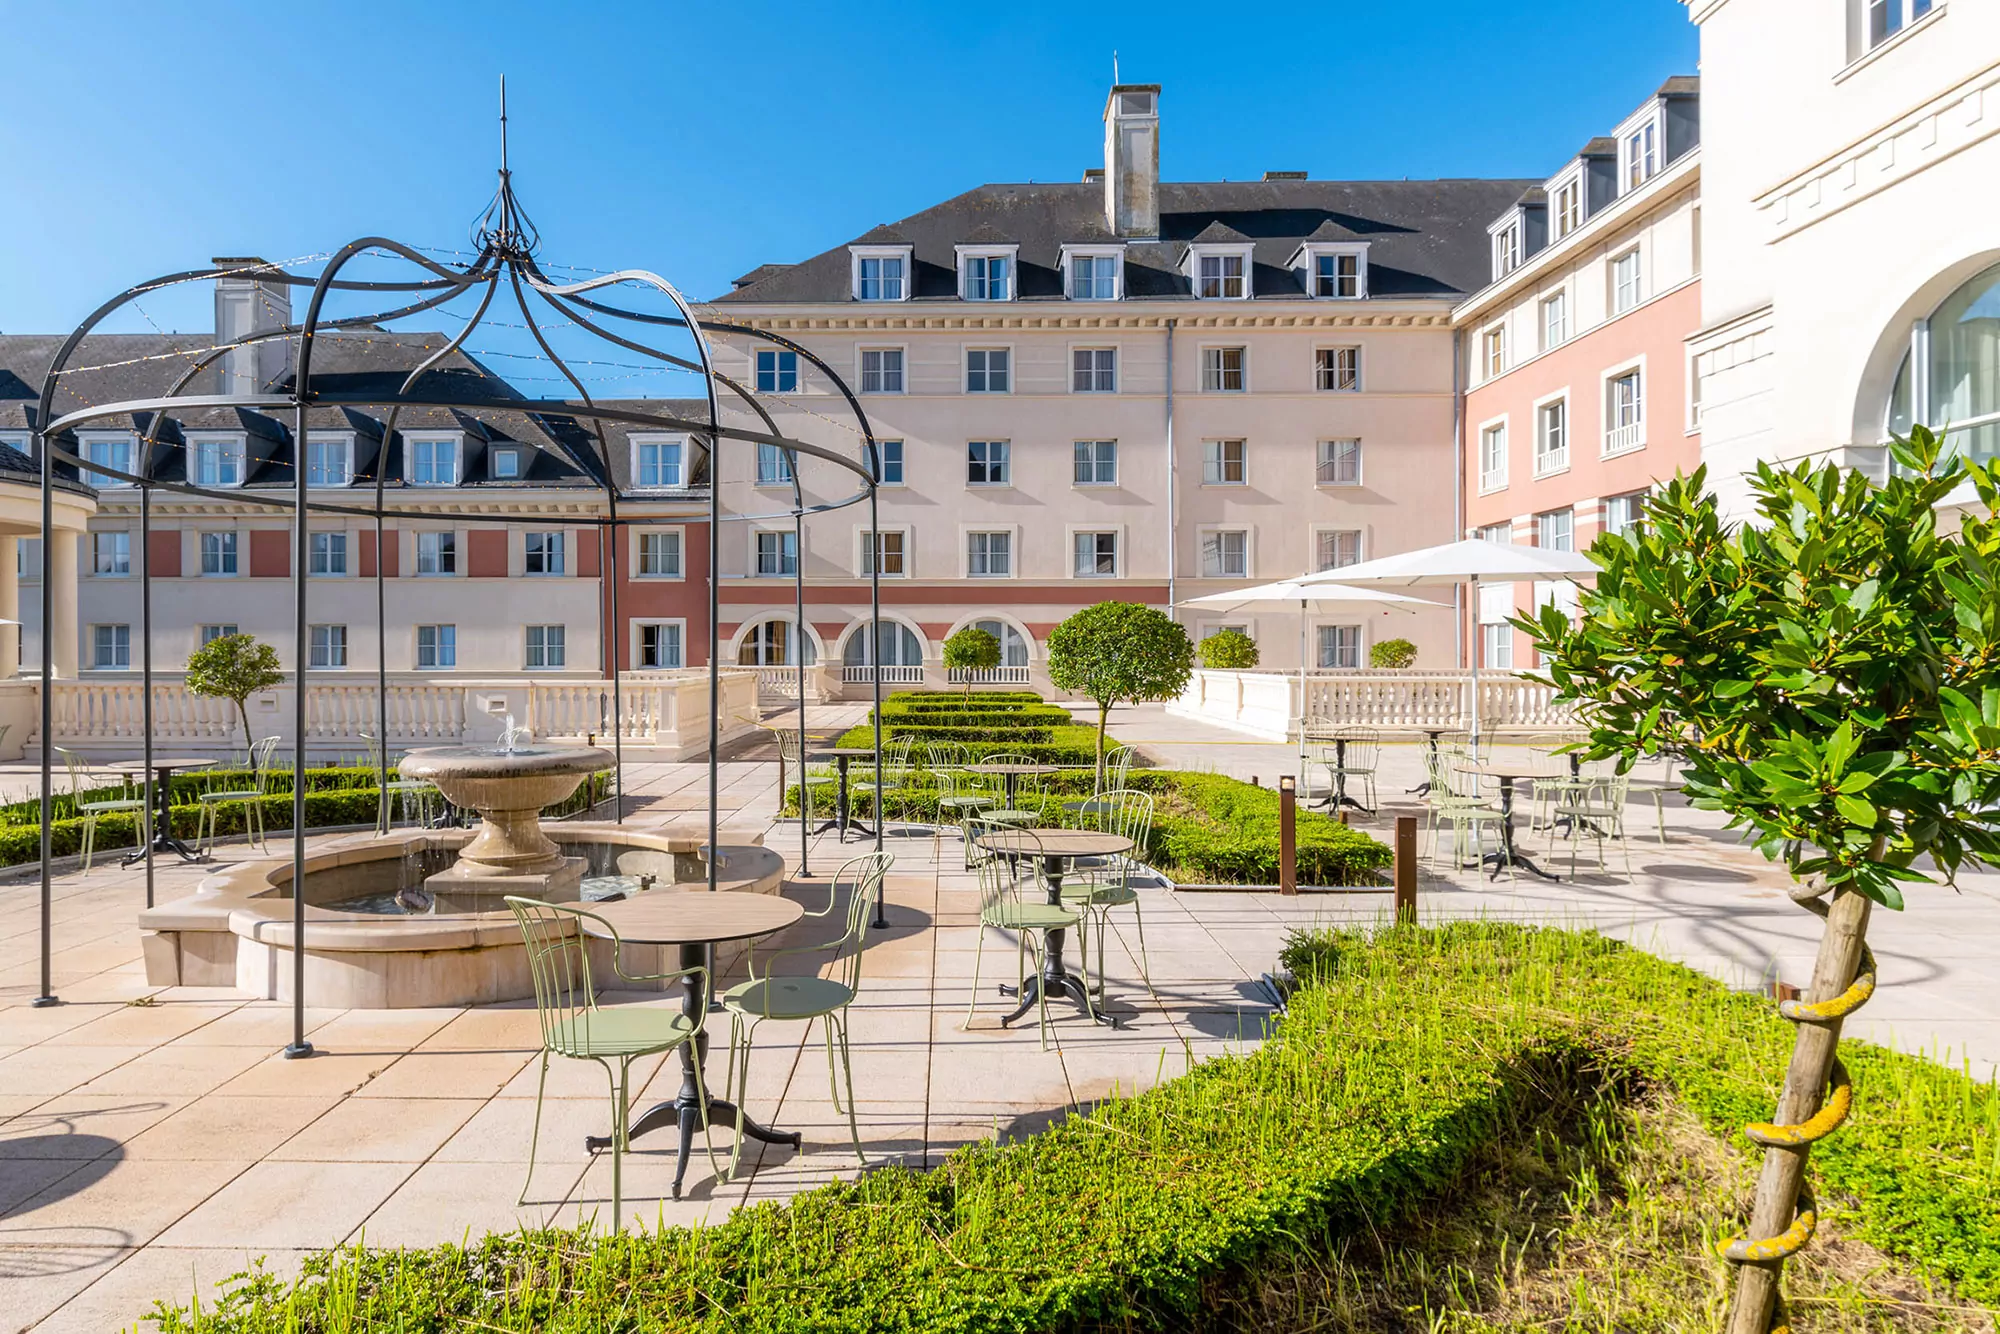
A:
(1227, 651)
(1392, 655)
(1830, 678)
(234, 667)
(1119, 651)
(971, 650)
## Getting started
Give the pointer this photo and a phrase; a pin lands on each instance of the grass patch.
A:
(1406, 1062)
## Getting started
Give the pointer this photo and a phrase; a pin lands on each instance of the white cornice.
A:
(1428, 315)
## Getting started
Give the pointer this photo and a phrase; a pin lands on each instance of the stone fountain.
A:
(509, 786)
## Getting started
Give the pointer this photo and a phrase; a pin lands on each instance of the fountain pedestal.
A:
(509, 787)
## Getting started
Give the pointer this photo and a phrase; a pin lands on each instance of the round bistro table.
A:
(695, 920)
(1507, 775)
(163, 817)
(1011, 773)
(842, 756)
(1055, 847)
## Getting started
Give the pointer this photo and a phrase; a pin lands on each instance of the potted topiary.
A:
(1392, 655)
(1228, 651)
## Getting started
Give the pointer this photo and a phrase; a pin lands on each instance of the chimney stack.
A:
(1132, 160)
(246, 303)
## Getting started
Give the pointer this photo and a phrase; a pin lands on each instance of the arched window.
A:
(775, 643)
(900, 647)
(1013, 648)
(1951, 375)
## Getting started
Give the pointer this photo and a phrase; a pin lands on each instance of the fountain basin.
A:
(236, 929)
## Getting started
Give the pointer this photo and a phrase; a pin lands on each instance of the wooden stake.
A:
(1288, 835)
(1805, 1086)
(1406, 868)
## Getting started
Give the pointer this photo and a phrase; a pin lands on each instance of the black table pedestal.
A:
(841, 820)
(686, 1110)
(1508, 854)
(163, 823)
(1054, 980)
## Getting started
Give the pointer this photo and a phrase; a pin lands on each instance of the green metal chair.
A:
(209, 817)
(1026, 785)
(1003, 907)
(403, 792)
(895, 780)
(959, 796)
(575, 1026)
(809, 996)
(131, 799)
(1117, 766)
(1596, 811)
(1100, 884)
(792, 760)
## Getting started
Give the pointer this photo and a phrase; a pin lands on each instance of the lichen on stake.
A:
(1828, 676)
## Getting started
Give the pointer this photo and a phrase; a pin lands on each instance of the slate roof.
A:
(1427, 239)
(125, 367)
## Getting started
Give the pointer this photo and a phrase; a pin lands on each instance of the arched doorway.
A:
(775, 643)
(902, 654)
(1950, 377)
(1013, 644)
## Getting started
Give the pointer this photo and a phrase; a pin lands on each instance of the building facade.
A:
(1575, 354)
(1119, 388)
(1851, 177)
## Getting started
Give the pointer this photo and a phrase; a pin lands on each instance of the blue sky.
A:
(702, 140)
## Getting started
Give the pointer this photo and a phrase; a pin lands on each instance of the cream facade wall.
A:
(1846, 191)
(1402, 414)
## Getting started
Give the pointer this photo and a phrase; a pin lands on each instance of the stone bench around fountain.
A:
(236, 929)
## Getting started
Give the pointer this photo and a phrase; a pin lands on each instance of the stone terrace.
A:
(152, 1140)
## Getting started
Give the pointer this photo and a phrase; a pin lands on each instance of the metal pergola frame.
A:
(507, 241)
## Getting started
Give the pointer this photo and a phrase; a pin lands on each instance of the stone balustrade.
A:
(1268, 704)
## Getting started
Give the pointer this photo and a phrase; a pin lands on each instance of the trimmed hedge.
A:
(1012, 723)
(1401, 1058)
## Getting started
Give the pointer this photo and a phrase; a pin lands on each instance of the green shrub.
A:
(1387, 1075)
(1392, 654)
(1228, 650)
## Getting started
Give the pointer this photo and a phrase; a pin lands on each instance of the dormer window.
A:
(433, 460)
(1640, 149)
(1336, 272)
(113, 450)
(329, 460)
(881, 273)
(986, 275)
(1507, 249)
(1221, 274)
(657, 461)
(215, 460)
(1568, 212)
(1093, 275)
(506, 465)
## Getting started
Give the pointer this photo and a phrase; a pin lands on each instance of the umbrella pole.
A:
(1302, 673)
(1478, 644)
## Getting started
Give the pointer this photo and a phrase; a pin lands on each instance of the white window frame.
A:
(1337, 353)
(1006, 350)
(560, 643)
(413, 440)
(1094, 372)
(1013, 535)
(1006, 462)
(1492, 480)
(444, 642)
(1076, 460)
(554, 553)
(638, 565)
(1216, 452)
(1615, 296)
(103, 535)
(1115, 532)
(639, 628)
(1506, 245)
(1867, 41)
(901, 462)
(96, 665)
(902, 369)
(987, 253)
(1214, 377)
(774, 466)
(449, 547)
(1360, 645)
(1536, 521)
(232, 548)
(228, 447)
(1116, 254)
(642, 441)
(1629, 437)
(783, 535)
(1326, 462)
(1641, 143)
(1321, 530)
(1493, 351)
(208, 634)
(1357, 251)
(1635, 498)
(862, 544)
(1563, 221)
(320, 647)
(86, 439)
(344, 442)
(1243, 254)
(1558, 301)
(777, 372)
(1203, 532)
(857, 253)
(326, 537)
(1553, 462)
(512, 453)
(1496, 645)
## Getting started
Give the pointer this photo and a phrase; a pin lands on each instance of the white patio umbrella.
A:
(1463, 562)
(1301, 593)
